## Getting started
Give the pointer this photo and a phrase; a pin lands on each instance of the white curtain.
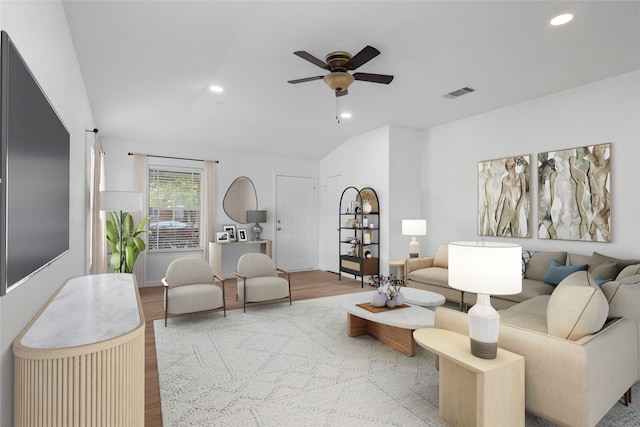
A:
(140, 185)
(208, 205)
(98, 217)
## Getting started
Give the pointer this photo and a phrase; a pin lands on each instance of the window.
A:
(174, 208)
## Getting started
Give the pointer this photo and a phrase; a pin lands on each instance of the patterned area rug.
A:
(281, 365)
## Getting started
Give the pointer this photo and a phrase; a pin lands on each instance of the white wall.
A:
(40, 32)
(605, 111)
(260, 169)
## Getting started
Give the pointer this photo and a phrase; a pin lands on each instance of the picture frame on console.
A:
(504, 200)
(222, 236)
(231, 229)
(242, 235)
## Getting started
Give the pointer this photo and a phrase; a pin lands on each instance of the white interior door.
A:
(295, 228)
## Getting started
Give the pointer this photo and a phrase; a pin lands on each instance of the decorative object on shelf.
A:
(389, 288)
(122, 234)
(242, 235)
(413, 228)
(257, 217)
(231, 229)
(485, 268)
(366, 207)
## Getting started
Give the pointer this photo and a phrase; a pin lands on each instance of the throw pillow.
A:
(628, 271)
(557, 272)
(601, 280)
(607, 270)
(526, 256)
(576, 308)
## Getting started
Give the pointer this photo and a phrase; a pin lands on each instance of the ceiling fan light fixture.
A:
(338, 80)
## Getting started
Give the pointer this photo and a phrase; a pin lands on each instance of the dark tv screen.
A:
(35, 174)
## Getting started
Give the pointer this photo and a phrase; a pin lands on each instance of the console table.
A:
(474, 391)
(80, 361)
(215, 251)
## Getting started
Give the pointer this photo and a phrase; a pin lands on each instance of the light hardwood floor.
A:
(304, 285)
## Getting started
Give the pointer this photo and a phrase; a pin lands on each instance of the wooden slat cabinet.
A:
(80, 361)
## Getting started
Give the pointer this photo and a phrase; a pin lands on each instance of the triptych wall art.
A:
(574, 195)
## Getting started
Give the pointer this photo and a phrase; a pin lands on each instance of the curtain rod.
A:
(174, 158)
(95, 130)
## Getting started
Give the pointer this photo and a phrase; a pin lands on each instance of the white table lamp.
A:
(485, 268)
(413, 228)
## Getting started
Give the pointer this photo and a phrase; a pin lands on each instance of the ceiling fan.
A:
(339, 63)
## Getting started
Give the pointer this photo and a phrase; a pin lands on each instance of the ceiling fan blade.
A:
(362, 57)
(306, 79)
(308, 57)
(341, 93)
(374, 78)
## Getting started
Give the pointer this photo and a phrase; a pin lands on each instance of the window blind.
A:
(174, 209)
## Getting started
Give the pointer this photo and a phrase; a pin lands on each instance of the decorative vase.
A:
(366, 207)
(399, 298)
(391, 303)
(379, 300)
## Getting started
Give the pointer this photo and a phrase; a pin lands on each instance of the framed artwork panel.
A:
(504, 203)
(242, 235)
(231, 229)
(574, 194)
(222, 236)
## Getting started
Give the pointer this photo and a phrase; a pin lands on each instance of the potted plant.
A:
(123, 238)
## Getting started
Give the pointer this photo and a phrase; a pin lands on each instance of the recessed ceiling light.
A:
(345, 115)
(217, 89)
(562, 19)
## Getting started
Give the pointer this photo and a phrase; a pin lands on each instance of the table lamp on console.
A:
(256, 217)
(485, 268)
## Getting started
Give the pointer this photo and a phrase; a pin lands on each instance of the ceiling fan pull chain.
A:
(338, 109)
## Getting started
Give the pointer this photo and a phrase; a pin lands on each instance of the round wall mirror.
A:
(240, 198)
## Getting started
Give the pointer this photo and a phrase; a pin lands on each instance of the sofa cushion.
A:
(630, 270)
(577, 259)
(442, 257)
(598, 258)
(530, 289)
(433, 275)
(606, 270)
(530, 314)
(557, 272)
(623, 296)
(577, 307)
(539, 263)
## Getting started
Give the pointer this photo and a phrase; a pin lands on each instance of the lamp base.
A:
(484, 350)
(257, 231)
(414, 247)
(484, 325)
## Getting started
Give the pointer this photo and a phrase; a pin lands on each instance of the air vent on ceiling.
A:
(459, 92)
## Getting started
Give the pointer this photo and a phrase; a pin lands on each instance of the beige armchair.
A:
(190, 287)
(259, 280)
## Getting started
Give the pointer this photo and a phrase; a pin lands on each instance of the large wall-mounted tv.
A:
(34, 226)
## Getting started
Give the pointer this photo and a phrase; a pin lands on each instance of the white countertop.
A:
(87, 310)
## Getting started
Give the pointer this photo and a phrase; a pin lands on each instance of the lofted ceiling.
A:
(148, 65)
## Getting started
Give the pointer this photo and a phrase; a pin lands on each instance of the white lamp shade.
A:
(129, 201)
(414, 227)
(485, 267)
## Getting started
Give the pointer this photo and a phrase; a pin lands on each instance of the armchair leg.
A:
(627, 397)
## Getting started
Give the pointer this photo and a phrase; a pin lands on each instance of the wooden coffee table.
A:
(393, 327)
